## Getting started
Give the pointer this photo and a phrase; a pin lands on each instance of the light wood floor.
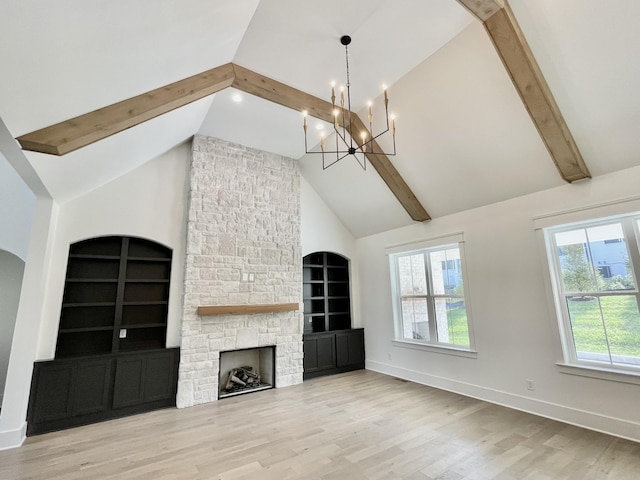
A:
(360, 425)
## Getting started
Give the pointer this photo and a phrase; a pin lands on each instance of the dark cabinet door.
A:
(92, 387)
(319, 352)
(349, 348)
(128, 388)
(144, 378)
(65, 389)
(51, 392)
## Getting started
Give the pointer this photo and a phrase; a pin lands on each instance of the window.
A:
(593, 268)
(428, 293)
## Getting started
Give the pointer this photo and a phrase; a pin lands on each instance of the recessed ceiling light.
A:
(236, 97)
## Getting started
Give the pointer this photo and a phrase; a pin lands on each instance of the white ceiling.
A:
(464, 137)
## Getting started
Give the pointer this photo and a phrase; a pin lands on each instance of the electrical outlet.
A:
(123, 333)
(530, 385)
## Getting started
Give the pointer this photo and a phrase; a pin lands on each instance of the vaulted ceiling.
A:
(470, 128)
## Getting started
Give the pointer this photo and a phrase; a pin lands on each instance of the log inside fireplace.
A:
(246, 371)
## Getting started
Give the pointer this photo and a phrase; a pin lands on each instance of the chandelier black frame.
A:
(343, 125)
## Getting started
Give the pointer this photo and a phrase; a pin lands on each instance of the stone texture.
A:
(243, 219)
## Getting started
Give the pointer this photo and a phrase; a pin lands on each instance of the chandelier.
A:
(345, 123)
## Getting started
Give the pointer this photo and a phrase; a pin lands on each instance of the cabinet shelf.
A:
(148, 259)
(154, 302)
(85, 329)
(88, 304)
(92, 280)
(94, 257)
(147, 280)
(143, 325)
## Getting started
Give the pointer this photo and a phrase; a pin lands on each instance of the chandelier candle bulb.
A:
(304, 124)
(370, 111)
(342, 96)
(333, 94)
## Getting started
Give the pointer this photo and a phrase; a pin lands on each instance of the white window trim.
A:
(407, 248)
(436, 348)
(602, 373)
(604, 212)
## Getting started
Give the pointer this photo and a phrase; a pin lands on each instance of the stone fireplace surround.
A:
(243, 223)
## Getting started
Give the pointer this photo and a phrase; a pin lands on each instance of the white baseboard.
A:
(581, 418)
(13, 438)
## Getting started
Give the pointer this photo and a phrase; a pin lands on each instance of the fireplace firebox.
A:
(247, 370)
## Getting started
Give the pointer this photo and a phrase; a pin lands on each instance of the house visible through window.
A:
(429, 301)
(596, 291)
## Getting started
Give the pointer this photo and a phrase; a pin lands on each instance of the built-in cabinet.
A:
(330, 344)
(325, 292)
(333, 352)
(115, 298)
(110, 358)
(77, 391)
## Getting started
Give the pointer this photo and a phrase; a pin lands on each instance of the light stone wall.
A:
(243, 222)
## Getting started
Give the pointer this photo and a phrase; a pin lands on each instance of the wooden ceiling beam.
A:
(521, 65)
(390, 175)
(78, 132)
(264, 87)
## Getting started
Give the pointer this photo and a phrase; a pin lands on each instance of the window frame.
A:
(425, 248)
(631, 231)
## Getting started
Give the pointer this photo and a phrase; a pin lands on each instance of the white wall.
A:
(322, 231)
(149, 202)
(11, 271)
(17, 204)
(515, 326)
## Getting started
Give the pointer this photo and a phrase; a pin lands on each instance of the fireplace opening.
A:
(247, 370)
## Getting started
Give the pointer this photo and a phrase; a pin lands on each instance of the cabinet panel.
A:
(51, 392)
(349, 348)
(91, 392)
(158, 383)
(128, 387)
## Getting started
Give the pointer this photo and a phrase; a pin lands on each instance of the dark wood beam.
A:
(282, 94)
(78, 132)
(521, 65)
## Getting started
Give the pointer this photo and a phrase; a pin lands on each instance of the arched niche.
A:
(11, 272)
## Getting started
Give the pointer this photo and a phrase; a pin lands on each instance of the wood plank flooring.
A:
(358, 425)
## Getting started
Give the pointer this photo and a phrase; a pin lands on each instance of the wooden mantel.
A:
(209, 310)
